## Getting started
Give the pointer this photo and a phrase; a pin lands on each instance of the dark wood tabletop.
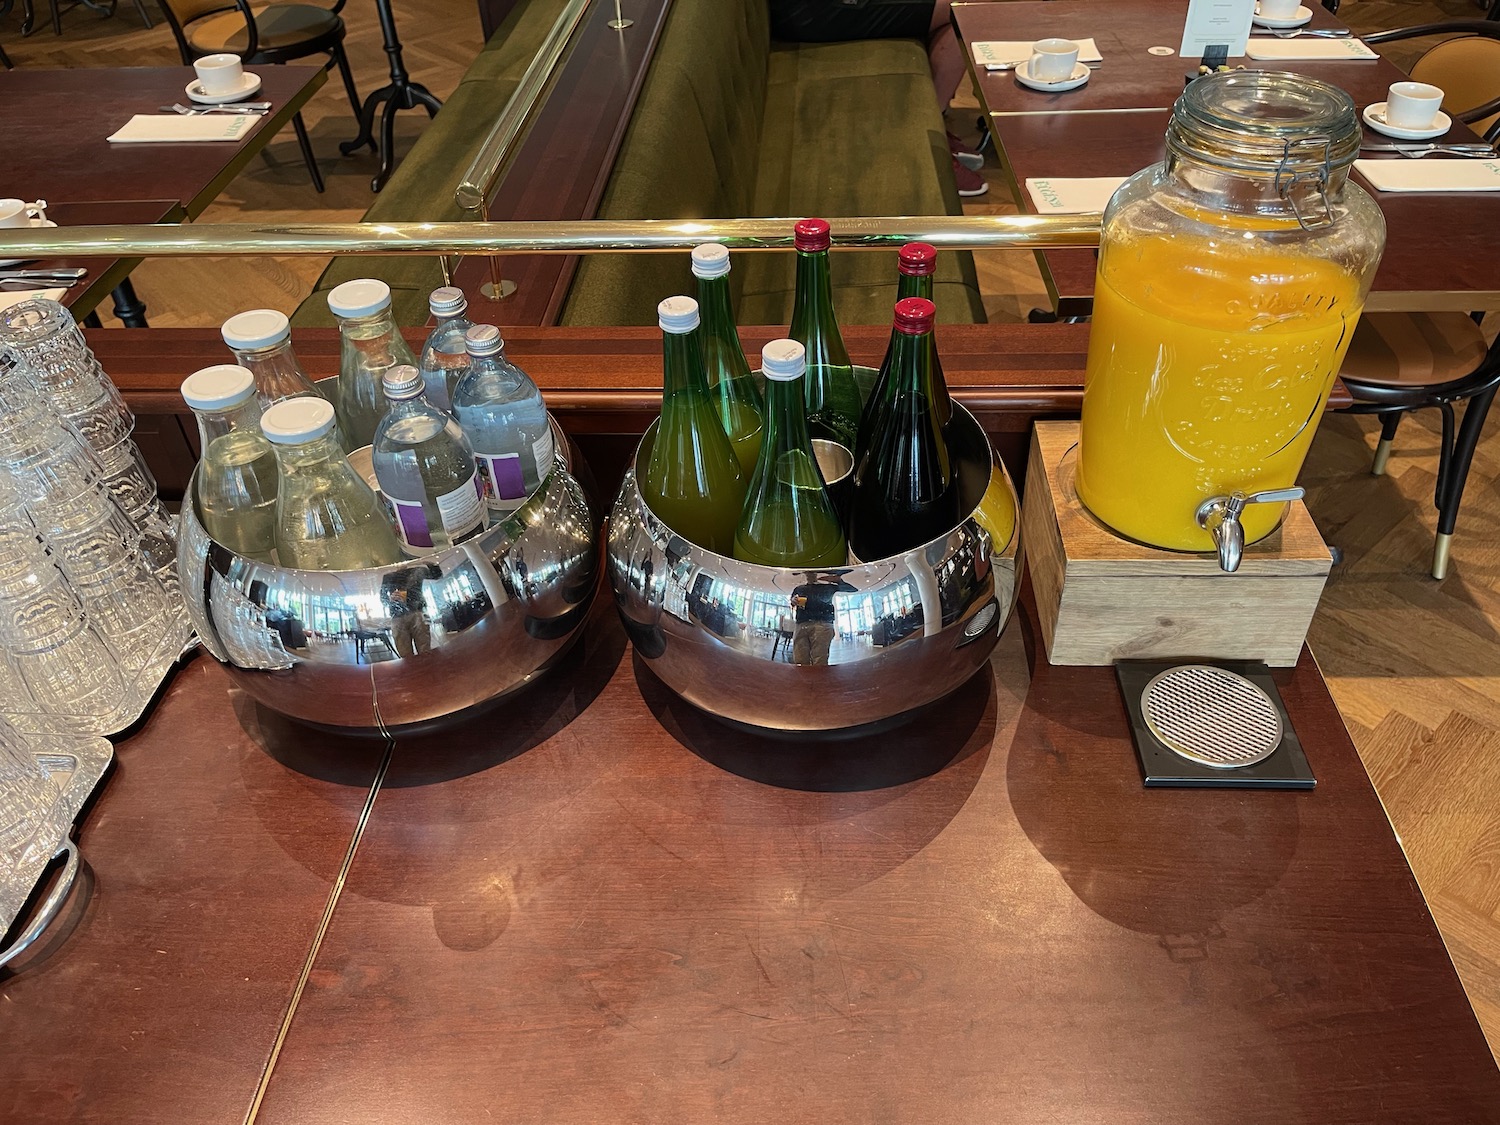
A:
(1131, 77)
(104, 273)
(55, 123)
(601, 904)
(1464, 277)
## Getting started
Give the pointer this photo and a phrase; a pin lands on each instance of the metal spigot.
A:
(1220, 517)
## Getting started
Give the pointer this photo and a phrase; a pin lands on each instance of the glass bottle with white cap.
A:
(426, 469)
(788, 519)
(327, 518)
(371, 346)
(445, 360)
(236, 479)
(261, 340)
(729, 379)
(502, 412)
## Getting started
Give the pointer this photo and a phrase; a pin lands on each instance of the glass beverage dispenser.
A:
(1230, 280)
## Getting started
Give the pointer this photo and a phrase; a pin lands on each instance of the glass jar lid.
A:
(1265, 121)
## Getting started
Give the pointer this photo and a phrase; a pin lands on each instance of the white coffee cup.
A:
(1053, 60)
(1279, 9)
(1412, 105)
(220, 74)
(18, 213)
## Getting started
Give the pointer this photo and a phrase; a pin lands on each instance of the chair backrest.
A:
(1468, 71)
(181, 12)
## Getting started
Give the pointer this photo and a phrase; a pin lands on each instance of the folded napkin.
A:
(8, 299)
(1307, 50)
(1060, 196)
(1002, 54)
(1437, 174)
(177, 127)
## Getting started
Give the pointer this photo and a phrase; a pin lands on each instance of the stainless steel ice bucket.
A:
(825, 650)
(392, 646)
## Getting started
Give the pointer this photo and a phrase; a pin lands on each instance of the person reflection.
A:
(401, 592)
(813, 616)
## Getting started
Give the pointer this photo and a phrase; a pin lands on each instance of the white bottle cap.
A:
(258, 328)
(677, 315)
(365, 297)
(402, 381)
(297, 421)
(483, 339)
(783, 360)
(447, 301)
(218, 387)
(710, 259)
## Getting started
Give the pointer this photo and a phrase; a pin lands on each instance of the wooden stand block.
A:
(1103, 598)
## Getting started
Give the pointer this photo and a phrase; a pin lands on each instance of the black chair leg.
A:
(93, 321)
(5, 60)
(307, 151)
(144, 14)
(342, 60)
(1455, 473)
(1388, 424)
(129, 307)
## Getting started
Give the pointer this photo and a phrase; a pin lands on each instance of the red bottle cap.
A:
(914, 315)
(812, 234)
(917, 259)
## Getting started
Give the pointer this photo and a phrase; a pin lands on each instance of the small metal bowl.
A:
(905, 631)
(393, 646)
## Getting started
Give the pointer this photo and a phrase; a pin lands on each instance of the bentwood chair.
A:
(1399, 362)
(274, 33)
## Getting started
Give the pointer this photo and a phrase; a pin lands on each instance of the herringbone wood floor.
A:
(1413, 663)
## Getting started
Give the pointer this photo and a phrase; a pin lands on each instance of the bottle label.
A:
(542, 450)
(504, 482)
(462, 511)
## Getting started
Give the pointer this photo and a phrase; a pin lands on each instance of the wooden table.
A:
(1464, 277)
(55, 123)
(599, 904)
(1131, 77)
(105, 274)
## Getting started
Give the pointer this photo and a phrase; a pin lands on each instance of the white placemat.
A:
(1060, 196)
(1305, 50)
(1002, 54)
(176, 128)
(1435, 174)
(8, 299)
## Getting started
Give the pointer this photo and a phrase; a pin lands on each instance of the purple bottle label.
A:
(504, 483)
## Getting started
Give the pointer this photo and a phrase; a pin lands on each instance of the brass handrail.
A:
(956, 232)
(474, 189)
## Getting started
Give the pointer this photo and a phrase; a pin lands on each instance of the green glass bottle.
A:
(788, 518)
(693, 481)
(833, 405)
(729, 379)
(905, 489)
(915, 266)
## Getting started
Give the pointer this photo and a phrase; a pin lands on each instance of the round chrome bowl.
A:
(907, 630)
(389, 647)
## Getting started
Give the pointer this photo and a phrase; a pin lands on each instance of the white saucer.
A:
(35, 223)
(248, 86)
(1079, 76)
(1304, 14)
(1374, 116)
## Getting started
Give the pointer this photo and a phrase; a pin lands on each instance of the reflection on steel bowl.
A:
(391, 646)
(821, 650)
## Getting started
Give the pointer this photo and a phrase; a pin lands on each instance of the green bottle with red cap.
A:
(833, 405)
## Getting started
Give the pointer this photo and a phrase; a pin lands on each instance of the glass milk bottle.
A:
(237, 478)
(445, 359)
(370, 345)
(426, 469)
(261, 340)
(1230, 281)
(503, 416)
(327, 518)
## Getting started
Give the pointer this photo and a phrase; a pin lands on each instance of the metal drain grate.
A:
(1211, 716)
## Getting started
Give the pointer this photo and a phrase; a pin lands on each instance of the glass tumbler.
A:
(56, 358)
(31, 814)
(65, 665)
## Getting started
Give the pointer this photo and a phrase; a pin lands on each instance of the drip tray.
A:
(1217, 725)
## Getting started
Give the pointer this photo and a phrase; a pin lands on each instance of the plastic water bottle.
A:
(503, 414)
(237, 472)
(426, 469)
(445, 359)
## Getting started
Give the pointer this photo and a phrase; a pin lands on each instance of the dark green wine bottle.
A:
(692, 480)
(729, 379)
(788, 518)
(915, 266)
(833, 406)
(905, 480)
